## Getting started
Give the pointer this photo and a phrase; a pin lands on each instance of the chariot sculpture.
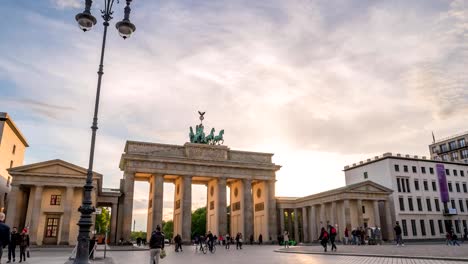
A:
(199, 136)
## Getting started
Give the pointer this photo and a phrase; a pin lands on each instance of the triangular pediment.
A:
(58, 167)
(367, 186)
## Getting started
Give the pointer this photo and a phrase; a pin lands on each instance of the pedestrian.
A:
(202, 240)
(465, 234)
(4, 234)
(23, 244)
(92, 247)
(178, 243)
(448, 238)
(14, 241)
(455, 240)
(332, 237)
(138, 240)
(346, 236)
(378, 236)
(260, 239)
(156, 245)
(251, 238)
(228, 241)
(286, 239)
(239, 241)
(362, 232)
(399, 240)
(324, 238)
(210, 239)
(353, 234)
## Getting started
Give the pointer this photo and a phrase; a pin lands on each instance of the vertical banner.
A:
(444, 194)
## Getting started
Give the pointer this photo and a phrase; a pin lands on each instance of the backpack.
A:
(325, 235)
(333, 231)
(157, 240)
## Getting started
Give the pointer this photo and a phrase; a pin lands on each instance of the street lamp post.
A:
(86, 21)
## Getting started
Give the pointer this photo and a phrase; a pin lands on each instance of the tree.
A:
(102, 221)
(199, 222)
(168, 229)
(138, 234)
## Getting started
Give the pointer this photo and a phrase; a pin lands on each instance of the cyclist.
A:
(210, 239)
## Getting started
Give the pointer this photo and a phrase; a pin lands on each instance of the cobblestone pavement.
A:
(258, 254)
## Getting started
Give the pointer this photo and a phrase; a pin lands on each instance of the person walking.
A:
(210, 239)
(455, 239)
(178, 243)
(286, 239)
(378, 236)
(228, 241)
(324, 238)
(239, 241)
(346, 236)
(397, 230)
(23, 244)
(4, 234)
(332, 237)
(260, 239)
(448, 238)
(14, 241)
(156, 245)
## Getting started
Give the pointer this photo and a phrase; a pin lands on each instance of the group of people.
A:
(328, 235)
(12, 239)
(451, 238)
(141, 241)
(211, 239)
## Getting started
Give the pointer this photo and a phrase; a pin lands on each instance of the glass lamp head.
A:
(125, 28)
(85, 21)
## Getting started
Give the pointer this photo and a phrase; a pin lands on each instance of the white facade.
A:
(417, 204)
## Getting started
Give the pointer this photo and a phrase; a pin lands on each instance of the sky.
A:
(321, 84)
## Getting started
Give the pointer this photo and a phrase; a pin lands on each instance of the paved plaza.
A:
(267, 254)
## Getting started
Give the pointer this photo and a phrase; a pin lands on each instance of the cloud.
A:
(63, 4)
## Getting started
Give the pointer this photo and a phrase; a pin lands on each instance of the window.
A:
(405, 168)
(441, 226)
(464, 188)
(403, 185)
(365, 175)
(14, 150)
(434, 149)
(405, 227)
(443, 148)
(52, 227)
(414, 169)
(462, 208)
(434, 186)
(413, 227)
(457, 226)
(416, 185)
(398, 184)
(410, 203)
(454, 155)
(426, 188)
(363, 209)
(455, 173)
(462, 173)
(452, 145)
(447, 171)
(445, 157)
(11, 164)
(419, 202)
(431, 170)
(467, 204)
(402, 203)
(457, 186)
(450, 187)
(464, 223)
(55, 199)
(423, 170)
(407, 185)
(397, 168)
(464, 154)
(437, 205)
(454, 206)
(428, 204)
(423, 227)
(431, 226)
(461, 142)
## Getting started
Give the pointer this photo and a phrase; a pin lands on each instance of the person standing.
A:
(324, 238)
(260, 239)
(332, 237)
(286, 239)
(346, 236)
(378, 236)
(156, 245)
(178, 243)
(399, 240)
(14, 241)
(228, 241)
(251, 238)
(4, 234)
(23, 244)
(239, 241)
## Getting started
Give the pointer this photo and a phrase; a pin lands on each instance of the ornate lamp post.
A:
(86, 21)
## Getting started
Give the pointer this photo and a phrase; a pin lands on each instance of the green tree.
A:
(199, 222)
(102, 221)
(138, 234)
(168, 229)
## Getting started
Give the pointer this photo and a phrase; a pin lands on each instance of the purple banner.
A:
(444, 194)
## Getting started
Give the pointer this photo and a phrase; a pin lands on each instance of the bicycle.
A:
(206, 248)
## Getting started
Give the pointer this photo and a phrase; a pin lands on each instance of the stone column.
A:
(272, 218)
(222, 212)
(323, 221)
(305, 226)
(187, 209)
(158, 200)
(36, 213)
(343, 220)
(129, 178)
(313, 223)
(281, 216)
(296, 225)
(13, 208)
(113, 227)
(376, 214)
(67, 212)
(388, 220)
(333, 214)
(248, 208)
(359, 212)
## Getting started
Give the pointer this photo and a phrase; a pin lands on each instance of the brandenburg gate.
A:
(250, 176)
